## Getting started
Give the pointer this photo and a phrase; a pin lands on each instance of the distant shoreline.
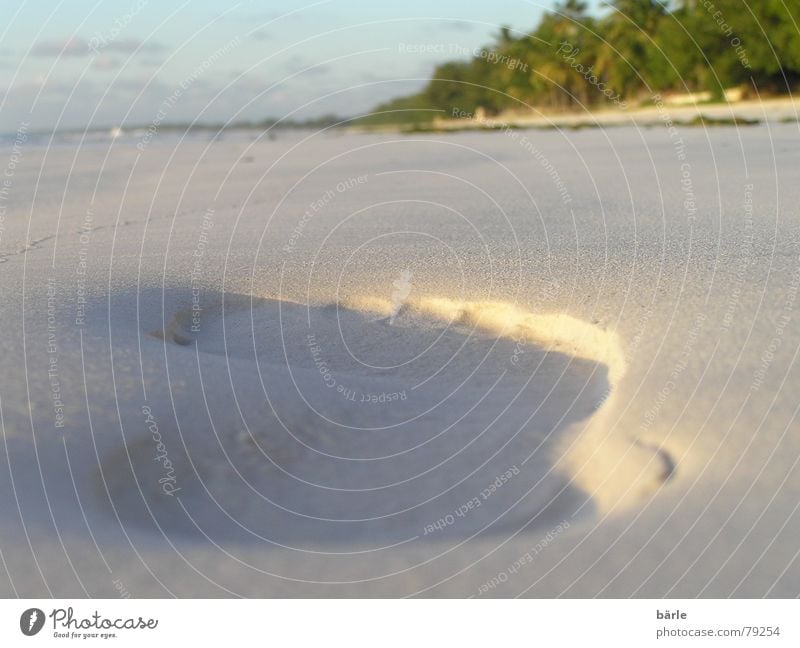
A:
(739, 113)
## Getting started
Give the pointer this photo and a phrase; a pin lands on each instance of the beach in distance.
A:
(463, 364)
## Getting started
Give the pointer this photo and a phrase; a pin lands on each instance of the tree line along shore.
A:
(725, 50)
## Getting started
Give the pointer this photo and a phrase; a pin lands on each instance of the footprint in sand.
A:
(331, 425)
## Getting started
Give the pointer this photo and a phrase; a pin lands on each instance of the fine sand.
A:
(529, 363)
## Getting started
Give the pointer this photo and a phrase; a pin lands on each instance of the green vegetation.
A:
(705, 120)
(636, 49)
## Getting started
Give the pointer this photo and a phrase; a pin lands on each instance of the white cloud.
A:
(77, 47)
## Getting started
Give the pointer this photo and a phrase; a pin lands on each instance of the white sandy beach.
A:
(538, 363)
(658, 110)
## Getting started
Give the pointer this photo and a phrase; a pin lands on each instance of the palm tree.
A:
(628, 59)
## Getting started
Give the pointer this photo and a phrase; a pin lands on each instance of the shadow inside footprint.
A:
(304, 426)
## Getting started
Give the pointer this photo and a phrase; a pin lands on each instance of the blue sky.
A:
(221, 61)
